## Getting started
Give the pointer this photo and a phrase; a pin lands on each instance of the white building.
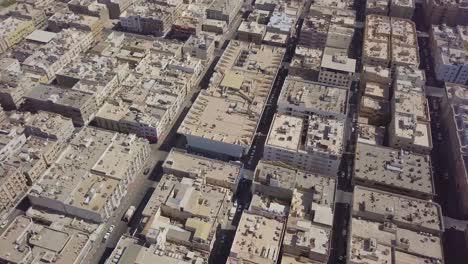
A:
(336, 68)
(320, 151)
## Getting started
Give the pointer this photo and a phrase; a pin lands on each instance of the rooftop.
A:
(415, 214)
(371, 134)
(407, 127)
(375, 242)
(337, 59)
(305, 57)
(325, 135)
(130, 250)
(313, 97)
(10, 24)
(230, 108)
(400, 170)
(189, 164)
(26, 239)
(285, 132)
(258, 239)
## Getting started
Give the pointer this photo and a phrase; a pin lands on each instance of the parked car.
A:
(4, 224)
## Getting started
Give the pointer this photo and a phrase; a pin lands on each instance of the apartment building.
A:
(319, 152)
(149, 18)
(251, 32)
(50, 126)
(66, 19)
(131, 249)
(92, 175)
(450, 12)
(224, 10)
(28, 12)
(393, 170)
(13, 30)
(390, 42)
(257, 234)
(413, 235)
(13, 187)
(116, 7)
(410, 128)
(370, 134)
(223, 118)
(11, 139)
(90, 8)
(210, 171)
(50, 58)
(200, 47)
(336, 68)
(77, 105)
(172, 212)
(306, 63)
(13, 86)
(376, 111)
(376, 74)
(302, 98)
(454, 112)
(27, 240)
(450, 53)
(377, 7)
(402, 8)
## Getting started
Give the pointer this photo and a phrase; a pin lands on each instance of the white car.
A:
(106, 236)
(111, 228)
(4, 224)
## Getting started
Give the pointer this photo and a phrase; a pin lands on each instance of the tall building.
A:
(319, 149)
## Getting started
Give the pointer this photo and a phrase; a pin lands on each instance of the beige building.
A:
(370, 134)
(13, 187)
(116, 7)
(224, 10)
(185, 211)
(251, 32)
(390, 42)
(336, 68)
(392, 170)
(454, 113)
(77, 105)
(13, 30)
(376, 111)
(258, 240)
(49, 126)
(413, 235)
(320, 152)
(92, 175)
(410, 127)
(306, 63)
(28, 241)
(302, 98)
(130, 249)
(210, 171)
(28, 12)
(224, 117)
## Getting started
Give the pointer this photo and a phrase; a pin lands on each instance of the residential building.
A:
(376, 111)
(90, 8)
(149, 18)
(13, 30)
(409, 128)
(186, 212)
(224, 10)
(209, 171)
(28, 12)
(370, 134)
(377, 7)
(129, 249)
(377, 74)
(50, 126)
(251, 32)
(223, 118)
(318, 149)
(402, 8)
(389, 42)
(27, 241)
(200, 47)
(336, 68)
(302, 98)
(13, 187)
(11, 139)
(258, 240)
(392, 170)
(13, 87)
(450, 53)
(413, 234)
(116, 7)
(450, 12)
(306, 63)
(92, 175)
(77, 105)
(454, 113)
(67, 19)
